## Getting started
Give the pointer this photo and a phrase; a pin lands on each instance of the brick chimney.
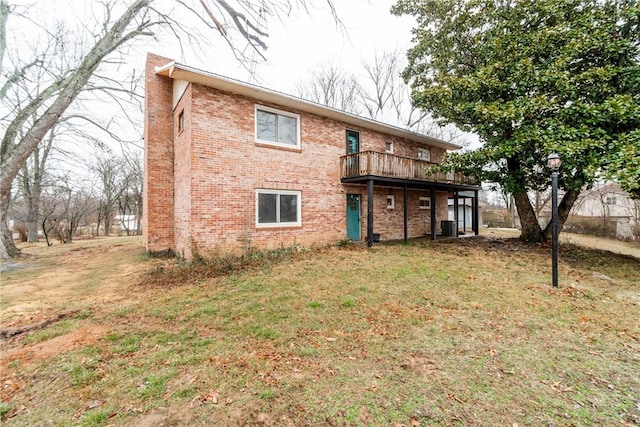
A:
(158, 198)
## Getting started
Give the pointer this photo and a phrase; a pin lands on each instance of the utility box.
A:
(448, 228)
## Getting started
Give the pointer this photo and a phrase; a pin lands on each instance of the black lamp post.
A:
(554, 164)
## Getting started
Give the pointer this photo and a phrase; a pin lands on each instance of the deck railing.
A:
(388, 165)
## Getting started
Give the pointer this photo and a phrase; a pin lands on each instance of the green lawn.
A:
(465, 332)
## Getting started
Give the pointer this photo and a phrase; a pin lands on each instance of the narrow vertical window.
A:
(388, 146)
(181, 121)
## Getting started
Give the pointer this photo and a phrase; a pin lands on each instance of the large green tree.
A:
(531, 77)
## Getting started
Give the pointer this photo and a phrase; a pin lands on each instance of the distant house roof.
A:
(179, 71)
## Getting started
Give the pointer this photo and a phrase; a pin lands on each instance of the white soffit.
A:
(178, 71)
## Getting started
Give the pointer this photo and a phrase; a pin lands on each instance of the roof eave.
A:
(179, 71)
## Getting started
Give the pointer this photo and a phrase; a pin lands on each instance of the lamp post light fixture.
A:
(554, 163)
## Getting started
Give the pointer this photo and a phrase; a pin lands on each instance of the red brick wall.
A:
(373, 141)
(389, 223)
(183, 176)
(228, 166)
(157, 218)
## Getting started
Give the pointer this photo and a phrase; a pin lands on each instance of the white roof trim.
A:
(179, 71)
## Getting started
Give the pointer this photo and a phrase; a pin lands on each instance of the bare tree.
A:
(379, 94)
(64, 207)
(331, 86)
(130, 199)
(69, 67)
(108, 171)
(77, 206)
(381, 85)
(31, 182)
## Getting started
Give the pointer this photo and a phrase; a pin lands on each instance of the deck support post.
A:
(455, 211)
(464, 215)
(370, 213)
(433, 213)
(475, 222)
(406, 218)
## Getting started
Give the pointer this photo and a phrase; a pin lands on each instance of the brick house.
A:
(231, 166)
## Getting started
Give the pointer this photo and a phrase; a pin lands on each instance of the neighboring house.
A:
(231, 166)
(609, 202)
(126, 222)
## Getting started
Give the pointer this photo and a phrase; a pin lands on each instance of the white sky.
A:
(313, 40)
(298, 44)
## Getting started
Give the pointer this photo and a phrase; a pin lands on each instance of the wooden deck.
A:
(373, 163)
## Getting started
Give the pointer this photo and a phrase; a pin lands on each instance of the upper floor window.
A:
(424, 154)
(611, 200)
(277, 127)
(388, 146)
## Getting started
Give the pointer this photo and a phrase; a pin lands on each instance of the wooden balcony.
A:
(373, 163)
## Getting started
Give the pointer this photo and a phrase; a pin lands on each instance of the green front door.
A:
(353, 216)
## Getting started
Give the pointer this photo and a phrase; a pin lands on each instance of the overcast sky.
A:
(297, 44)
(301, 42)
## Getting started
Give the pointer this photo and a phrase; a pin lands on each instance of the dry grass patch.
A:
(452, 333)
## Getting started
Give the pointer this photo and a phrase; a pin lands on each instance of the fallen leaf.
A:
(212, 397)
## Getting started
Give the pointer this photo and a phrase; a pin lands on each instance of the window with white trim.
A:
(391, 202)
(277, 127)
(278, 208)
(611, 200)
(424, 154)
(425, 203)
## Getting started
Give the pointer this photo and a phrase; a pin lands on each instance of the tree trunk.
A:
(107, 224)
(34, 214)
(8, 248)
(531, 231)
(564, 208)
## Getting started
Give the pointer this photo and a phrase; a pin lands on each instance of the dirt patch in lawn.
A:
(71, 282)
(52, 347)
(630, 248)
(83, 275)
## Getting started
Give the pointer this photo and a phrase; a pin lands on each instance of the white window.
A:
(424, 154)
(391, 202)
(425, 203)
(277, 127)
(388, 146)
(277, 208)
(611, 200)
